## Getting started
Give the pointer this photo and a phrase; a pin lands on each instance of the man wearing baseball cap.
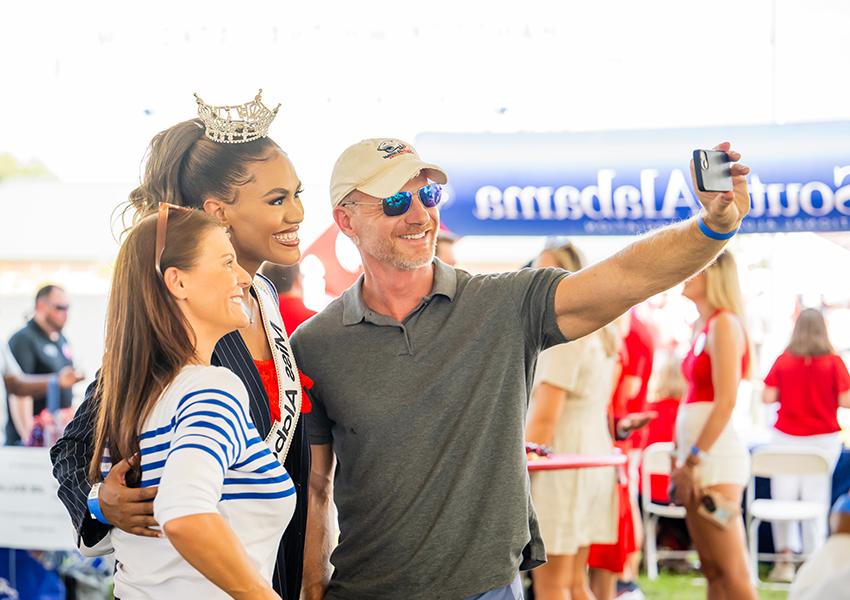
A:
(422, 374)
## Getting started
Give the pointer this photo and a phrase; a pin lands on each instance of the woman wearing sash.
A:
(224, 164)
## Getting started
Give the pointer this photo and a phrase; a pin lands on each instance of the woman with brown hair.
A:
(809, 381)
(569, 413)
(221, 163)
(223, 499)
(713, 463)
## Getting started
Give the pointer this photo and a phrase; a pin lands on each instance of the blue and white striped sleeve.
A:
(211, 429)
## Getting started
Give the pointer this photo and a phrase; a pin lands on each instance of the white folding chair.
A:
(656, 461)
(768, 461)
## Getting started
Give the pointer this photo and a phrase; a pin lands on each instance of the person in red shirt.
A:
(288, 281)
(809, 381)
(634, 380)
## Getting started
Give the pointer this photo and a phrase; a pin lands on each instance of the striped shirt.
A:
(73, 452)
(201, 448)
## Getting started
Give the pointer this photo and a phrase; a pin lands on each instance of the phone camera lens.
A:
(703, 159)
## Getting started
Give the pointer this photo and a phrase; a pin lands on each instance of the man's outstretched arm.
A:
(597, 295)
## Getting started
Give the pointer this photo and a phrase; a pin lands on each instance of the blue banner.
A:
(626, 182)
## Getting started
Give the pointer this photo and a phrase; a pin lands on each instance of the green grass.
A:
(690, 587)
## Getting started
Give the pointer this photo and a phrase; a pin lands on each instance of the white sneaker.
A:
(782, 572)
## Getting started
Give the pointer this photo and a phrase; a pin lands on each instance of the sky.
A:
(87, 85)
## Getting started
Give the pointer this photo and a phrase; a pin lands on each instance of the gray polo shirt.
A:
(427, 421)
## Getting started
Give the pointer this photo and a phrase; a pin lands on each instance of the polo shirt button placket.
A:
(408, 349)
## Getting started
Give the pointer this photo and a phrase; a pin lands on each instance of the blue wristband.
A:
(710, 233)
(94, 509)
(54, 395)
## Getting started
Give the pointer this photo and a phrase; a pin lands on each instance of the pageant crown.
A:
(236, 124)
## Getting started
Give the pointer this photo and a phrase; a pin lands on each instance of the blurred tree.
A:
(10, 167)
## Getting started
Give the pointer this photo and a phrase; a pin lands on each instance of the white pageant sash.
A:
(280, 436)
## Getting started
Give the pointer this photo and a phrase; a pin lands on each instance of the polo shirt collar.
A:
(445, 281)
(354, 309)
(37, 330)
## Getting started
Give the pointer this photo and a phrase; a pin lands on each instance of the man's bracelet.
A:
(710, 233)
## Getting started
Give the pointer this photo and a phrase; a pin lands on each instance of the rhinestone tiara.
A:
(236, 124)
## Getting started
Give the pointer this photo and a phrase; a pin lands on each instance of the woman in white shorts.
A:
(711, 457)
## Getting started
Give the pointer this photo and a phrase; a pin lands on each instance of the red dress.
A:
(636, 354)
(612, 557)
(268, 375)
(641, 350)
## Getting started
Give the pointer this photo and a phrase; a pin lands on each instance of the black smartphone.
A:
(671, 494)
(713, 171)
(717, 509)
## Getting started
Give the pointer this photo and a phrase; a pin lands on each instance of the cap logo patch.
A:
(393, 148)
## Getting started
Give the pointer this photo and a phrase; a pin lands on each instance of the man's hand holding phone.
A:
(723, 209)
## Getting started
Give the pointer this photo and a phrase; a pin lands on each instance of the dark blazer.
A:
(73, 452)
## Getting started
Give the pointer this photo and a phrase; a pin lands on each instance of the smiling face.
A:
(265, 215)
(211, 292)
(406, 242)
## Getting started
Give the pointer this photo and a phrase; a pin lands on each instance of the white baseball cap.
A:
(379, 167)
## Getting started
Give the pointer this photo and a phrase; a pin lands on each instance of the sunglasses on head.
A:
(399, 203)
(161, 230)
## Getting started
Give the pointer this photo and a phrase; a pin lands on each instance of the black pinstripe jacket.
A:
(73, 452)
